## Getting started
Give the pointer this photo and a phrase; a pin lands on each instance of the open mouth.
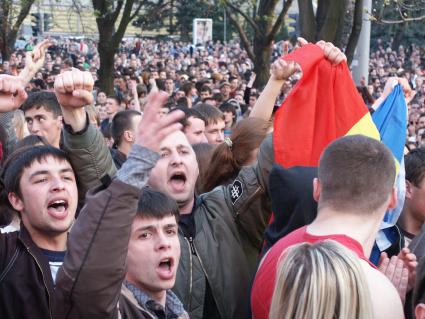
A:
(166, 264)
(178, 181)
(165, 269)
(58, 208)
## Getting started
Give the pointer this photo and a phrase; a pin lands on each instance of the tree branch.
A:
(355, 31)
(117, 10)
(242, 34)
(246, 17)
(307, 21)
(384, 21)
(125, 20)
(25, 9)
(278, 23)
(136, 12)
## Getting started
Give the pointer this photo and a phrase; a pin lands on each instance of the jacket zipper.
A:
(206, 275)
(192, 251)
(44, 281)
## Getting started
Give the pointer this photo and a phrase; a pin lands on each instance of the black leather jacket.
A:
(27, 290)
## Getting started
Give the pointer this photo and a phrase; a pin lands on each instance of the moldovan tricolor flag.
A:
(391, 119)
(323, 106)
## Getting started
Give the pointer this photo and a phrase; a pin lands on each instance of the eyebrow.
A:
(46, 172)
(150, 227)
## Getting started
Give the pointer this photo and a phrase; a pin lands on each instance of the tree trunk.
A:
(355, 31)
(306, 20)
(262, 53)
(398, 37)
(106, 48)
(329, 16)
(10, 43)
(5, 9)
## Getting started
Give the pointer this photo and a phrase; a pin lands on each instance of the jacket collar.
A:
(173, 306)
(41, 260)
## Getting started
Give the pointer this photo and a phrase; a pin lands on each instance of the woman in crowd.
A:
(323, 280)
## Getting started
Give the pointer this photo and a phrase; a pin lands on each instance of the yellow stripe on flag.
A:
(365, 127)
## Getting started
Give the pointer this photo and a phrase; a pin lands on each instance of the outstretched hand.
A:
(153, 128)
(34, 61)
(12, 93)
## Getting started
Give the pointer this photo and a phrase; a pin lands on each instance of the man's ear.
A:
(420, 311)
(317, 188)
(393, 199)
(409, 189)
(16, 202)
(60, 121)
(128, 136)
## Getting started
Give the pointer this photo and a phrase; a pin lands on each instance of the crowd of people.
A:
(152, 201)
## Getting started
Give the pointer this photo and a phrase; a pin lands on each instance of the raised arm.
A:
(83, 142)
(12, 95)
(281, 70)
(88, 284)
(34, 61)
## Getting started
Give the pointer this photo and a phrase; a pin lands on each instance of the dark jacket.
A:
(89, 284)
(27, 291)
(227, 230)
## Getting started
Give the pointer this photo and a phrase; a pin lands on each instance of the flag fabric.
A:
(391, 119)
(326, 107)
(323, 106)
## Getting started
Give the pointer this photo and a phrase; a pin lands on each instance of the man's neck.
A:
(124, 148)
(51, 242)
(361, 227)
(408, 223)
(56, 142)
(187, 207)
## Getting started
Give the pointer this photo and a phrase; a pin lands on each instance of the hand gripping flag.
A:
(323, 106)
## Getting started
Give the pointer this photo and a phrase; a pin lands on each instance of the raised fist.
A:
(12, 93)
(73, 89)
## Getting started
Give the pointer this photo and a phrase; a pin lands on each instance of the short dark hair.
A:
(30, 140)
(206, 88)
(186, 87)
(157, 205)
(192, 113)
(116, 98)
(228, 107)
(122, 121)
(414, 163)
(23, 158)
(212, 114)
(44, 99)
(356, 173)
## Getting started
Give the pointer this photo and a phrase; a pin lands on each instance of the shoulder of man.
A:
(386, 302)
